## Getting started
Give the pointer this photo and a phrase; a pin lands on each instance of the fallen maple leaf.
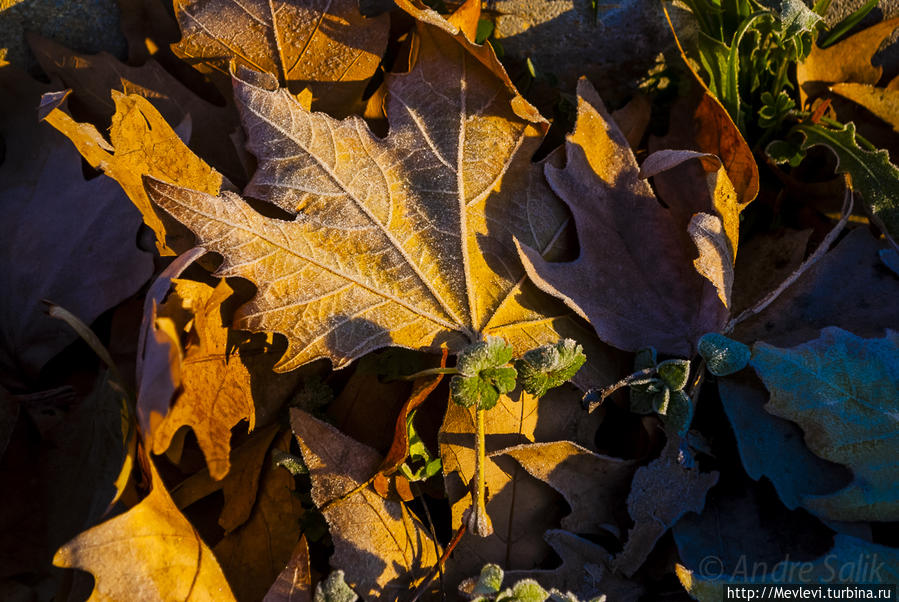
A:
(55, 223)
(151, 552)
(323, 46)
(406, 240)
(381, 547)
(634, 279)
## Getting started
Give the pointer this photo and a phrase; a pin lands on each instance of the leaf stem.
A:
(633, 379)
(429, 372)
(804, 267)
(476, 517)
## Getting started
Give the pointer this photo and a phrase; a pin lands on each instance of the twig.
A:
(433, 531)
(808, 263)
(639, 377)
(451, 546)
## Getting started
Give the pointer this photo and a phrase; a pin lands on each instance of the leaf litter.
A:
(280, 453)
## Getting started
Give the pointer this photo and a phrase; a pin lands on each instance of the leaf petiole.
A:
(429, 372)
(476, 518)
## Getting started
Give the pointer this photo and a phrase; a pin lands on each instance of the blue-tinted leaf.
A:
(773, 447)
(723, 356)
(843, 391)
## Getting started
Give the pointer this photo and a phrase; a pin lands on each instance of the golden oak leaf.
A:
(848, 60)
(592, 484)
(93, 77)
(635, 278)
(215, 393)
(254, 554)
(520, 506)
(406, 240)
(142, 143)
(882, 102)
(326, 46)
(379, 544)
(151, 552)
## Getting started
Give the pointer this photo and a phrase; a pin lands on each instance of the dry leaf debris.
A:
(380, 181)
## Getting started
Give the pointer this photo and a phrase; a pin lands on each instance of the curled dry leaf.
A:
(593, 485)
(405, 240)
(379, 545)
(634, 279)
(326, 46)
(142, 143)
(151, 552)
(55, 222)
(661, 492)
(846, 61)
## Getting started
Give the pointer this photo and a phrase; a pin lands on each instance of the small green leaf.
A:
(485, 29)
(483, 374)
(660, 401)
(680, 413)
(774, 108)
(723, 356)
(334, 589)
(489, 582)
(492, 352)
(526, 590)
(784, 152)
(464, 390)
(645, 358)
(674, 373)
(549, 366)
(646, 397)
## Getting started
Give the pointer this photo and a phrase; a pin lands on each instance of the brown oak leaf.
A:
(634, 279)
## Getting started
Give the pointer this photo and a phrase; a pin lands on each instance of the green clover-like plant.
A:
(549, 366)
(484, 374)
